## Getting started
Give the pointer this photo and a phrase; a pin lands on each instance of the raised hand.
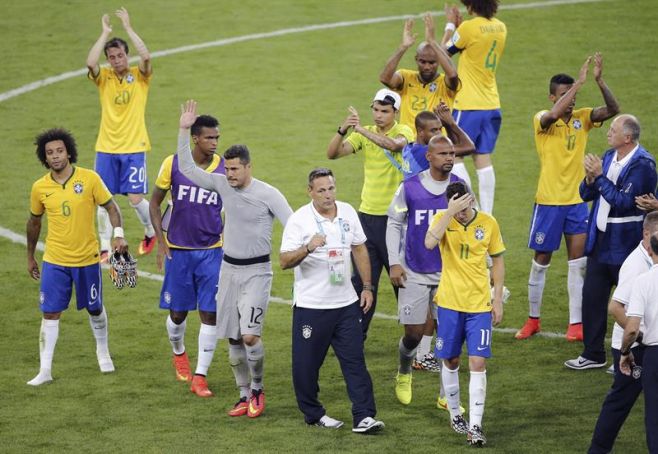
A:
(457, 204)
(123, 15)
(443, 112)
(105, 23)
(188, 114)
(582, 75)
(598, 66)
(408, 37)
(430, 32)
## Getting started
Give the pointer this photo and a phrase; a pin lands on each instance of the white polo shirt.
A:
(313, 288)
(637, 262)
(644, 303)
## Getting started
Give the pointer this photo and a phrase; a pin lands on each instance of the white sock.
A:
(207, 344)
(237, 356)
(98, 325)
(487, 188)
(477, 394)
(104, 228)
(48, 334)
(142, 210)
(575, 279)
(450, 382)
(176, 335)
(460, 170)
(423, 347)
(406, 358)
(536, 283)
(255, 360)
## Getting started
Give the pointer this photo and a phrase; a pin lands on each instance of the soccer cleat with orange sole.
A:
(182, 366)
(240, 408)
(200, 386)
(146, 245)
(532, 326)
(575, 332)
(256, 403)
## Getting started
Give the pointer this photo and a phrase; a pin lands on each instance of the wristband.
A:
(341, 133)
(367, 287)
(450, 27)
(625, 352)
(118, 232)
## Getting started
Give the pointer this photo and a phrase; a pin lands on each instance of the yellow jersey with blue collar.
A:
(417, 96)
(481, 43)
(71, 212)
(561, 149)
(123, 107)
(464, 284)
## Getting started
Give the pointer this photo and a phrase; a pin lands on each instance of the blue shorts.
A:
(482, 126)
(123, 173)
(549, 222)
(56, 287)
(455, 327)
(191, 278)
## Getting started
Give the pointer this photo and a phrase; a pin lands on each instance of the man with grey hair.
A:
(625, 389)
(626, 171)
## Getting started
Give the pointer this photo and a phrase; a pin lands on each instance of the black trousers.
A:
(313, 331)
(599, 280)
(375, 230)
(617, 405)
(650, 385)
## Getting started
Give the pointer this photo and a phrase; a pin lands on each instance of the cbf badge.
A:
(636, 372)
(307, 330)
(479, 233)
(432, 87)
(77, 187)
(439, 343)
(130, 79)
(577, 124)
(539, 237)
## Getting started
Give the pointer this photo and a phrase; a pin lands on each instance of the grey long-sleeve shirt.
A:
(250, 211)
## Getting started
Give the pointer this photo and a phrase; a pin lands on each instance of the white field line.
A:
(16, 238)
(20, 239)
(255, 36)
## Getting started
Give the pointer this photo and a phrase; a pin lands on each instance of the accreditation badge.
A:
(336, 266)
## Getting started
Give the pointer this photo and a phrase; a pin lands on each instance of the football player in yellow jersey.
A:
(69, 196)
(122, 139)
(381, 144)
(561, 138)
(480, 42)
(466, 311)
(424, 88)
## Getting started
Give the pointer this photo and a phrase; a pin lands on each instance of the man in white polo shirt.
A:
(624, 390)
(318, 241)
(644, 307)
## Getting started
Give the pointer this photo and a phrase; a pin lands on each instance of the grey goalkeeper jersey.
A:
(250, 211)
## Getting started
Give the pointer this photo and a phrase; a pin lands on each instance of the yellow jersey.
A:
(561, 150)
(381, 177)
(71, 210)
(417, 96)
(464, 284)
(481, 43)
(123, 105)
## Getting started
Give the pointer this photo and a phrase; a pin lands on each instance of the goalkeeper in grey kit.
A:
(69, 195)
